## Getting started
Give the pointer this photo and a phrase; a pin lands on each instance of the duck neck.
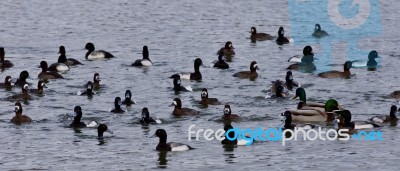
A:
(62, 58)
(196, 68)
(393, 115)
(163, 140)
(145, 55)
(88, 53)
(100, 134)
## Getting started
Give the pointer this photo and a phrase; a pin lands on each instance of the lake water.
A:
(177, 32)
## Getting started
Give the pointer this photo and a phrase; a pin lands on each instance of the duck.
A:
(281, 37)
(117, 106)
(4, 63)
(231, 134)
(305, 62)
(259, 36)
(96, 81)
(24, 94)
(77, 118)
(19, 118)
(63, 58)
(7, 82)
(128, 98)
(318, 32)
(221, 64)
(145, 61)
(46, 75)
(60, 66)
(227, 49)
(305, 113)
(289, 82)
(177, 85)
(337, 74)
(344, 121)
(370, 64)
(98, 54)
(101, 129)
(40, 88)
(386, 118)
(228, 113)
(89, 90)
(308, 56)
(287, 119)
(22, 78)
(192, 76)
(208, 101)
(179, 111)
(279, 89)
(146, 119)
(248, 74)
(170, 146)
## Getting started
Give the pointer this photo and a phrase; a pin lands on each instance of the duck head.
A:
(177, 103)
(117, 103)
(23, 76)
(7, 81)
(44, 66)
(2, 54)
(128, 95)
(393, 111)
(18, 109)
(317, 27)
(162, 134)
(204, 93)
(41, 85)
(145, 53)
(197, 63)
(177, 82)
(227, 110)
(145, 115)
(96, 78)
(281, 32)
(254, 66)
(101, 129)
(307, 50)
(301, 93)
(62, 58)
(228, 45)
(253, 30)
(90, 47)
(78, 114)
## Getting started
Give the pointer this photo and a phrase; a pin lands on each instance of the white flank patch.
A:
(96, 55)
(92, 124)
(62, 67)
(146, 62)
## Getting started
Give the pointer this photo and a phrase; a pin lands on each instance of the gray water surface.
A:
(177, 32)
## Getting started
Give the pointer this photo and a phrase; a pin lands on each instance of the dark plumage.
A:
(248, 74)
(227, 49)
(259, 36)
(46, 75)
(208, 101)
(179, 111)
(338, 74)
(221, 64)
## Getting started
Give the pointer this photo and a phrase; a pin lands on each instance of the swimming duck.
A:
(278, 89)
(227, 49)
(146, 60)
(7, 82)
(192, 76)
(231, 134)
(308, 56)
(304, 62)
(22, 78)
(117, 106)
(19, 118)
(77, 118)
(248, 74)
(40, 86)
(4, 63)
(88, 91)
(281, 37)
(337, 74)
(171, 146)
(386, 118)
(61, 65)
(96, 81)
(208, 101)
(289, 82)
(301, 94)
(221, 64)
(24, 94)
(287, 119)
(315, 114)
(46, 75)
(98, 54)
(228, 113)
(101, 129)
(63, 58)
(395, 94)
(128, 98)
(371, 64)
(318, 32)
(345, 121)
(146, 119)
(179, 111)
(177, 85)
(259, 36)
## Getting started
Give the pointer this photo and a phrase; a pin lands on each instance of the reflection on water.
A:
(162, 159)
